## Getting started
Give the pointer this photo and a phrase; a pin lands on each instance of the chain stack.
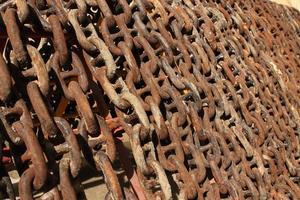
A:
(207, 91)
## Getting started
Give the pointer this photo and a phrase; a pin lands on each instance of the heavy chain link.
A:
(205, 91)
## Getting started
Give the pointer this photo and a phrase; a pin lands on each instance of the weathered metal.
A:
(206, 92)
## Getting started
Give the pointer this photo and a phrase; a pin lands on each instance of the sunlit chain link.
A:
(206, 93)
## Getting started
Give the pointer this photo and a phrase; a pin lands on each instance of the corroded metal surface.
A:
(206, 91)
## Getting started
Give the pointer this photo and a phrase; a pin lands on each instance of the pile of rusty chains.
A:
(207, 91)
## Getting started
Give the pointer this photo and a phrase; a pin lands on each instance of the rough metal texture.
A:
(206, 91)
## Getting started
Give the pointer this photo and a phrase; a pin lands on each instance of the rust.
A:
(36, 153)
(47, 123)
(204, 94)
(112, 183)
(5, 78)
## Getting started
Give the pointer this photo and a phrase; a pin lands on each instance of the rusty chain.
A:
(205, 91)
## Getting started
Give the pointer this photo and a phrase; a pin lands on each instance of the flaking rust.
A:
(206, 93)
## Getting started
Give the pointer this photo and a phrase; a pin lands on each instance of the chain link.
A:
(205, 92)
